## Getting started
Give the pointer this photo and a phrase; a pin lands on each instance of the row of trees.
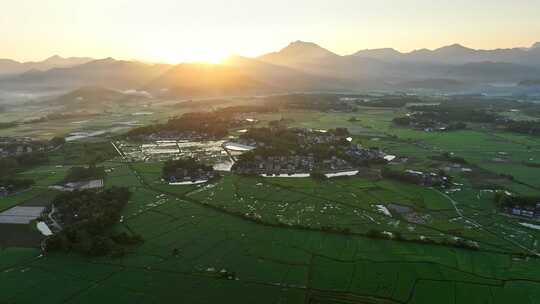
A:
(524, 127)
(455, 113)
(213, 124)
(503, 199)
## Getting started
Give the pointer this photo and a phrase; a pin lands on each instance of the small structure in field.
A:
(187, 171)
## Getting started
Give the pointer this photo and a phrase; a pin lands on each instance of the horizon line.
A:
(456, 44)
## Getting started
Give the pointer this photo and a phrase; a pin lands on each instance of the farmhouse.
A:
(526, 211)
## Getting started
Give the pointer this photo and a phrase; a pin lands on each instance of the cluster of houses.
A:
(526, 211)
(362, 154)
(290, 165)
(276, 165)
(305, 163)
(336, 164)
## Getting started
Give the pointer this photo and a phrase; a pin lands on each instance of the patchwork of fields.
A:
(264, 264)
(296, 240)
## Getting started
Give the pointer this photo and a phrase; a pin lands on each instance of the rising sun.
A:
(203, 56)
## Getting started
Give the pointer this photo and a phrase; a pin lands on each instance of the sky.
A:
(206, 30)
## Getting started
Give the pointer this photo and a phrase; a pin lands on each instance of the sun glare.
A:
(202, 56)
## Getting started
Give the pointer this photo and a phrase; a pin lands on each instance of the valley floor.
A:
(296, 240)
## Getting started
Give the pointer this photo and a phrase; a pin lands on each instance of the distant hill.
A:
(239, 76)
(300, 66)
(529, 83)
(88, 95)
(383, 68)
(493, 71)
(94, 99)
(433, 84)
(11, 67)
(384, 53)
(458, 54)
(284, 78)
(312, 59)
(297, 53)
(236, 76)
(58, 62)
(110, 73)
(189, 80)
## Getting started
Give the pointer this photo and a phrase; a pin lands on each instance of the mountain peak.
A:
(454, 47)
(308, 49)
(54, 57)
(104, 60)
(536, 45)
(300, 43)
(297, 52)
(376, 53)
(59, 61)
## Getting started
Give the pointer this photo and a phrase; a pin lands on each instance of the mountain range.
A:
(456, 54)
(388, 66)
(8, 66)
(300, 66)
(108, 72)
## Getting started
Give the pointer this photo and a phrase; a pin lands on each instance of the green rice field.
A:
(296, 240)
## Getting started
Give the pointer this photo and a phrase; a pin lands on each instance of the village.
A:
(300, 165)
(300, 152)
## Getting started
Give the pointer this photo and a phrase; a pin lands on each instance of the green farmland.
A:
(358, 239)
(286, 265)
